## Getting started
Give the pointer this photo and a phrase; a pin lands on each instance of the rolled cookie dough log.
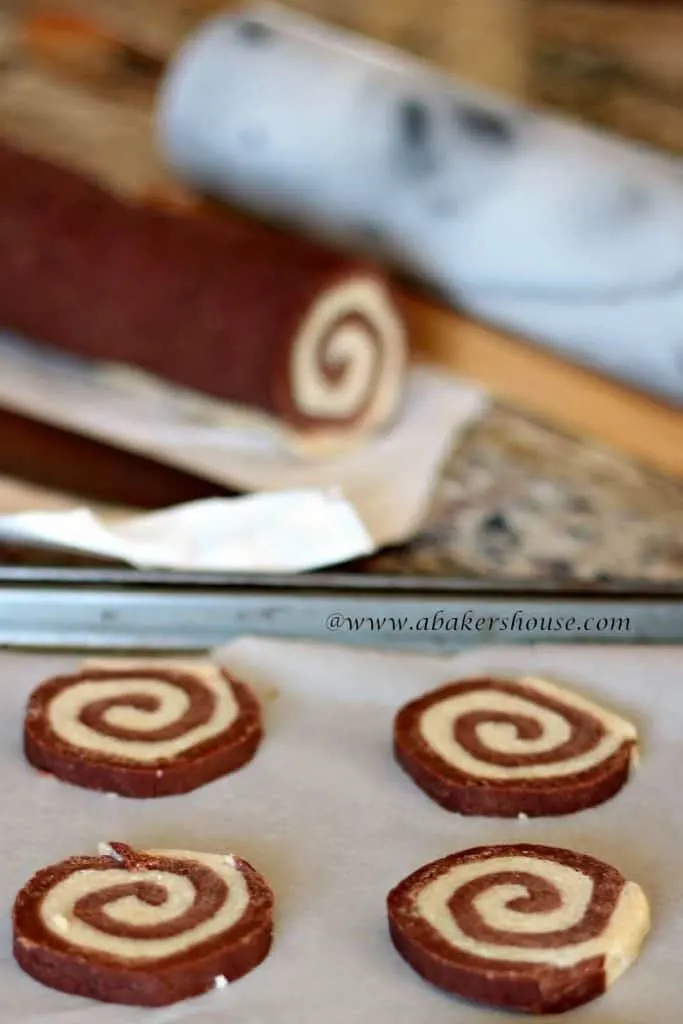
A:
(504, 747)
(142, 730)
(144, 928)
(253, 318)
(530, 928)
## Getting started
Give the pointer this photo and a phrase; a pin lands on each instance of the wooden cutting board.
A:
(559, 392)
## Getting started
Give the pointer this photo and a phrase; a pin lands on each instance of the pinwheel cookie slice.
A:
(147, 928)
(506, 747)
(142, 729)
(530, 928)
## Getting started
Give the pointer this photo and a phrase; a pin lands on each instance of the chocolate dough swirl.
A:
(537, 894)
(585, 730)
(201, 706)
(211, 893)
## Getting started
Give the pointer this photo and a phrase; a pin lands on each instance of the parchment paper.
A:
(326, 815)
(389, 479)
(280, 531)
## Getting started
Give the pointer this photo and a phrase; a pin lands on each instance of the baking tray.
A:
(116, 609)
(324, 812)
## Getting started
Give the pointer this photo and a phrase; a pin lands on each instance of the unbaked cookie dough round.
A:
(144, 729)
(530, 928)
(509, 747)
(146, 928)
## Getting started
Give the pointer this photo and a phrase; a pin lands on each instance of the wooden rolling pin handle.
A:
(80, 47)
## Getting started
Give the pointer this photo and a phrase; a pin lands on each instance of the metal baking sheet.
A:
(123, 610)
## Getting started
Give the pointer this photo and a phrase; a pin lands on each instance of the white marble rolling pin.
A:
(542, 227)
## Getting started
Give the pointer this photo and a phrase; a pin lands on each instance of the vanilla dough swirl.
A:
(142, 714)
(498, 729)
(146, 906)
(348, 357)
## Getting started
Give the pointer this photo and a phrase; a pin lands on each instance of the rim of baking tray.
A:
(327, 581)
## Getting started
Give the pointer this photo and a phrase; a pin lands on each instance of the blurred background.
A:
(568, 474)
(616, 63)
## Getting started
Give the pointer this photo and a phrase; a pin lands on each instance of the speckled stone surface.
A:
(521, 501)
(517, 500)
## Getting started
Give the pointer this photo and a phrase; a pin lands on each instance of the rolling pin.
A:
(541, 227)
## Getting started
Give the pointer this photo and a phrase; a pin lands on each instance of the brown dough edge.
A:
(161, 983)
(536, 990)
(542, 798)
(219, 756)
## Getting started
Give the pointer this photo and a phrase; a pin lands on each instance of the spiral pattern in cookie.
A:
(144, 727)
(513, 740)
(134, 926)
(542, 927)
